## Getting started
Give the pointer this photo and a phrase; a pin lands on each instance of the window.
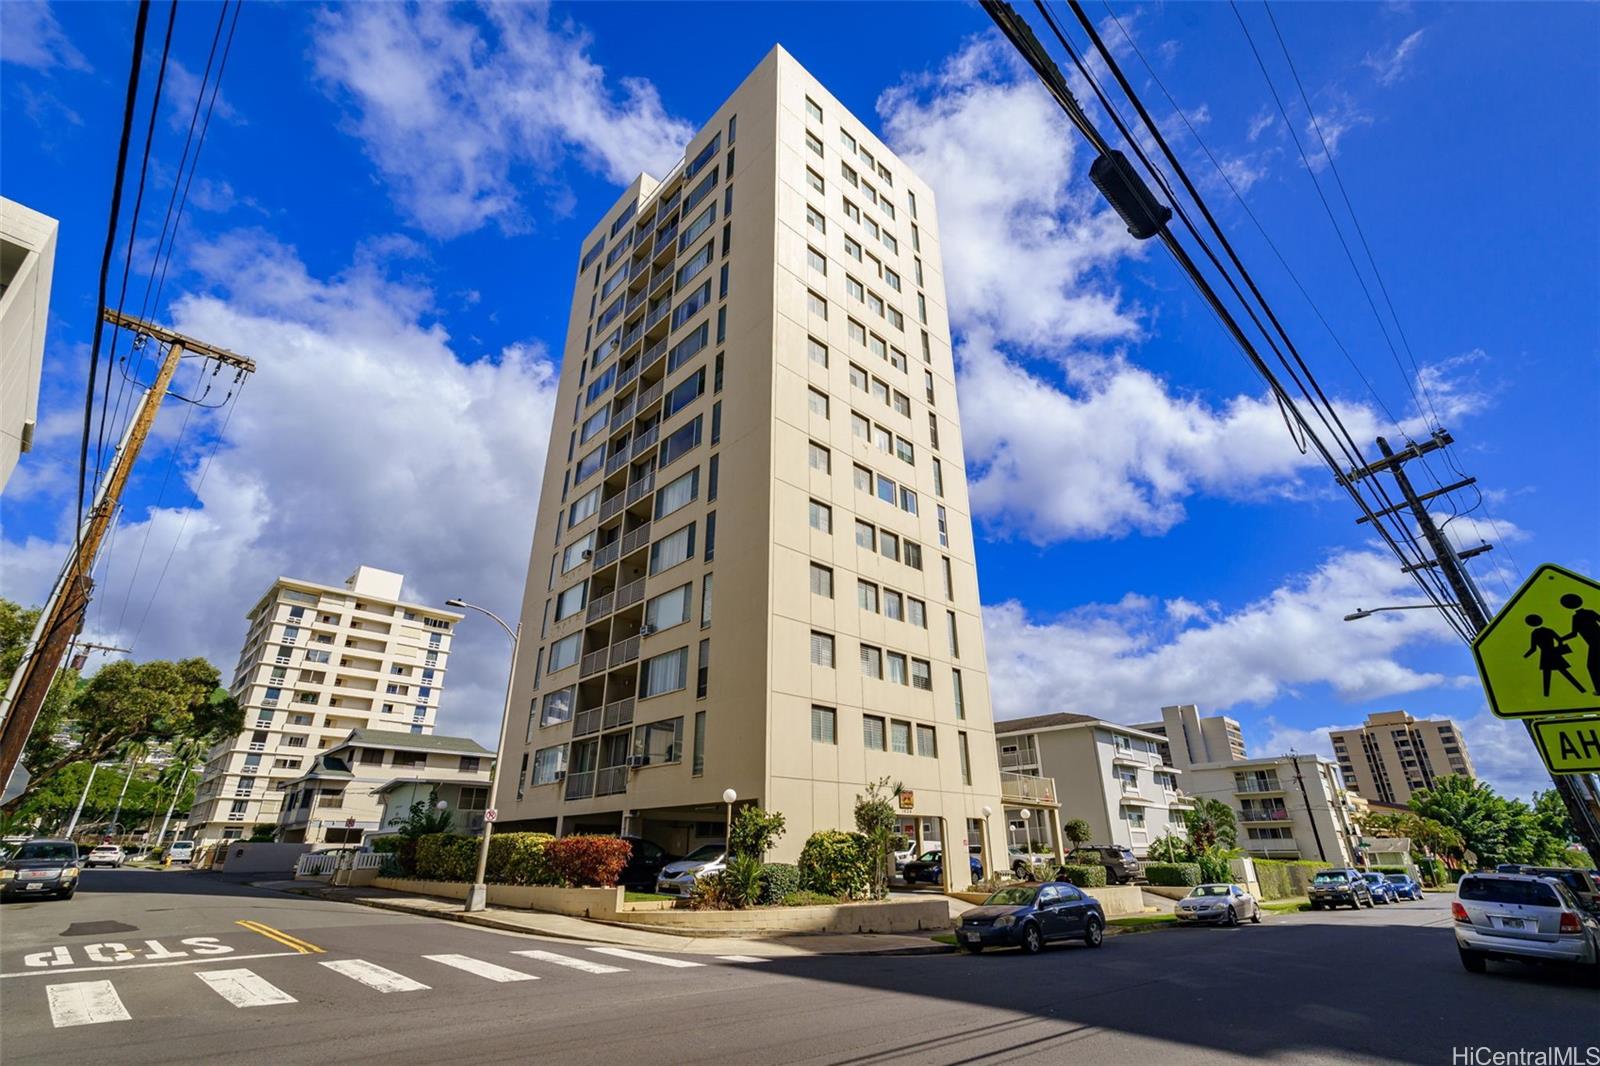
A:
(668, 609)
(819, 458)
(889, 546)
(847, 140)
(852, 248)
(944, 526)
(813, 143)
(875, 303)
(871, 661)
(955, 643)
(876, 345)
(898, 321)
(883, 440)
(902, 404)
(816, 260)
(848, 171)
(700, 191)
(557, 706)
(880, 390)
(576, 552)
(716, 422)
(891, 279)
(908, 501)
(959, 695)
(687, 348)
(694, 265)
(949, 580)
(904, 451)
(564, 652)
(938, 478)
(814, 180)
(900, 737)
(659, 742)
(824, 723)
(702, 677)
(817, 402)
(699, 763)
(863, 479)
(852, 212)
(570, 602)
(872, 732)
(927, 741)
(584, 506)
(893, 605)
(684, 393)
(816, 351)
(674, 548)
(815, 220)
(913, 557)
(816, 304)
(590, 464)
(705, 601)
(860, 427)
(681, 440)
(867, 596)
(897, 667)
(593, 424)
(677, 494)
(820, 515)
(547, 763)
(821, 581)
(866, 536)
(853, 287)
(921, 675)
(664, 673)
(966, 758)
(858, 377)
(691, 305)
(886, 490)
(821, 649)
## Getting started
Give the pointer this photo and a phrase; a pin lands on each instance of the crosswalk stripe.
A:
(741, 958)
(639, 956)
(374, 976)
(481, 968)
(85, 1003)
(244, 988)
(571, 963)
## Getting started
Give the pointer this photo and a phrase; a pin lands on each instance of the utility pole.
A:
(1476, 613)
(63, 611)
(80, 649)
(1305, 797)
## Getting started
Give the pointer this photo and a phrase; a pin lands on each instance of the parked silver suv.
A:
(1524, 919)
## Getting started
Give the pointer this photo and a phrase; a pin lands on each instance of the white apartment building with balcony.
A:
(758, 393)
(319, 661)
(1111, 776)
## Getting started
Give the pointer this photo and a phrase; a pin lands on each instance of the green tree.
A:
(1076, 831)
(1555, 826)
(755, 831)
(156, 701)
(1490, 826)
(1211, 822)
(16, 627)
(876, 819)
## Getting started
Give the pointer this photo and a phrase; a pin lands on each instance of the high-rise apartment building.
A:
(1200, 739)
(27, 264)
(318, 662)
(757, 410)
(1393, 754)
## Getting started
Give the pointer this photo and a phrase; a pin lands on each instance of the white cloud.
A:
(30, 36)
(181, 92)
(1126, 661)
(1389, 67)
(1503, 754)
(362, 438)
(1261, 123)
(456, 113)
(1328, 127)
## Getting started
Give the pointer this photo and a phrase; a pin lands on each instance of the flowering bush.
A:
(587, 861)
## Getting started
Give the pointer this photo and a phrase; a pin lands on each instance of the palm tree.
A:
(185, 754)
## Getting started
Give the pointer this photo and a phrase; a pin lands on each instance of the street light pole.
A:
(728, 796)
(478, 894)
(73, 825)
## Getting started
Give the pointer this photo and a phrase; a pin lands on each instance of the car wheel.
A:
(1233, 918)
(1255, 916)
(1032, 940)
(1316, 906)
(1472, 961)
(1021, 871)
(1094, 933)
(972, 949)
(68, 893)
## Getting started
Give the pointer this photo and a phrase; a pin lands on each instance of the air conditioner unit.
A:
(636, 761)
(646, 629)
(588, 553)
(560, 776)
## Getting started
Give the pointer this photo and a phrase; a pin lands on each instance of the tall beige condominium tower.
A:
(1394, 754)
(319, 661)
(753, 566)
(27, 264)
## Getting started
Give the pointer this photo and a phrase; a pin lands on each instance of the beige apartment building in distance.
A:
(1198, 738)
(1393, 754)
(319, 661)
(753, 567)
(27, 265)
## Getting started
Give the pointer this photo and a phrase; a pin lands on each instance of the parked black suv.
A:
(1120, 865)
(1339, 888)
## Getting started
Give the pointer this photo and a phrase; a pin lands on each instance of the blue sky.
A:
(390, 200)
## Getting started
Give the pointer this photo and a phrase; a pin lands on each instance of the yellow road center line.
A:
(304, 947)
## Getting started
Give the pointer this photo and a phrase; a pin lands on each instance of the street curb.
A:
(490, 922)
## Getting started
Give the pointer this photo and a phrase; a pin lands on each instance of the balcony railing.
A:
(635, 539)
(642, 488)
(651, 395)
(587, 721)
(1024, 788)
(1012, 759)
(610, 506)
(659, 281)
(665, 238)
(619, 419)
(642, 443)
(1279, 815)
(611, 781)
(618, 713)
(625, 378)
(607, 555)
(600, 606)
(624, 651)
(634, 300)
(630, 594)
(654, 352)
(661, 311)
(580, 786)
(617, 462)
(594, 662)
(1256, 786)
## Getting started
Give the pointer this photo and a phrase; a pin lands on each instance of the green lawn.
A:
(646, 897)
(1139, 923)
(945, 938)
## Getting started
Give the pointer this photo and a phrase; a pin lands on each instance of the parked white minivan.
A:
(181, 851)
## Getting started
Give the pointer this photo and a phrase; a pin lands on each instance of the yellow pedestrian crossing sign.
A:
(1541, 654)
(1569, 745)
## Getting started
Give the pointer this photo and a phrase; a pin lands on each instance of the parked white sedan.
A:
(106, 855)
(1223, 904)
(679, 878)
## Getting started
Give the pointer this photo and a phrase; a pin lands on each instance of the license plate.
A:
(972, 938)
(34, 887)
(1511, 923)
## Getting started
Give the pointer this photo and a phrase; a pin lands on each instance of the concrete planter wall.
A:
(601, 903)
(895, 916)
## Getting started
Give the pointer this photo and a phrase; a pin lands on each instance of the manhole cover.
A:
(98, 928)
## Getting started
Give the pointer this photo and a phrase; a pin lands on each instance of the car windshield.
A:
(1374, 878)
(1495, 890)
(1399, 879)
(704, 853)
(1012, 897)
(930, 856)
(42, 850)
(1209, 890)
(1329, 877)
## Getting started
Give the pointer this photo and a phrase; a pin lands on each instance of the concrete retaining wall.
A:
(602, 903)
(892, 916)
(241, 858)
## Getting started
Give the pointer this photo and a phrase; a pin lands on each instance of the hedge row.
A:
(1082, 876)
(1283, 879)
(1177, 874)
(524, 859)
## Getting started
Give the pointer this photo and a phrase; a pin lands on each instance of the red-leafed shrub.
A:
(588, 861)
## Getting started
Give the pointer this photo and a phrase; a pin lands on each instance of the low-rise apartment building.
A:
(1111, 776)
(1393, 754)
(357, 787)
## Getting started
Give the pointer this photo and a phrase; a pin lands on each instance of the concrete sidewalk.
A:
(536, 923)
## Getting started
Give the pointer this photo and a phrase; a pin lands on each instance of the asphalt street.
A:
(174, 967)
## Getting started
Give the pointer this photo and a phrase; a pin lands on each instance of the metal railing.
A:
(664, 239)
(606, 555)
(624, 651)
(1027, 788)
(618, 713)
(630, 594)
(610, 506)
(611, 781)
(625, 379)
(600, 606)
(1256, 786)
(587, 721)
(1279, 815)
(654, 352)
(652, 394)
(643, 443)
(635, 539)
(661, 311)
(317, 864)
(594, 662)
(622, 416)
(642, 488)
(617, 462)
(580, 786)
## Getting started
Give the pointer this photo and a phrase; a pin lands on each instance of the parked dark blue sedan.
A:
(1029, 916)
(1404, 887)
(929, 869)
